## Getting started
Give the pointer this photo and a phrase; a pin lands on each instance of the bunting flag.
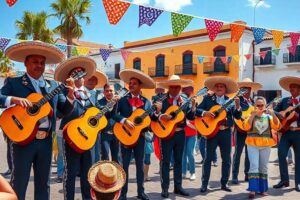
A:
(247, 56)
(229, 59)
(125, 54)
(83, 50)
(294, 38)
(11, 2)
(277, 37)
(74, 51)
(292, 50)
(3, 43)
(62, 47)
(212, 59)
(236, 32)
(224, 59)
(263, 54)
(258, 34)
(105, 53)
(275, 51)
(236, 58)
(148, 15)
(213, 28)
(200, 59)
(115, 10)
(179, 22)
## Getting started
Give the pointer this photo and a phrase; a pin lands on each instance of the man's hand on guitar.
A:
(237, 102)
(194, 102)
(208, 114)
(21, 101)
(165, 117)
(158, 106)
(129, 124)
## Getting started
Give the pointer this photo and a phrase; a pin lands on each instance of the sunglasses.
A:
(260, 106)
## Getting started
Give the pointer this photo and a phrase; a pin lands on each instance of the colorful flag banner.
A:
(247, 56)
(275, 51)
(148, 15)
(236, 58)
(258, 34)
(212, 59)
(83, 50)
(292, 50)
(236, 32)
(200, 59)
(125, 54)
(277, 37)
(294, 38)
(105, 53)
(229, 59)
(213, 28)
(224, 59)
(263, 54)
(115, 10)
(74, 51)
(3, 43)
(179, 22)
(62, 47)
(11, 2)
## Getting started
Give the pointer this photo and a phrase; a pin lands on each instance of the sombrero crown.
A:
(231, 85)
(175, 80)
(286, 81)
(127, 74)
(247, 82)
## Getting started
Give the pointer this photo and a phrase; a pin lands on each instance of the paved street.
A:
(153, 187)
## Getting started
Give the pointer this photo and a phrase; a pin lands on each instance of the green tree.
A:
(71, 13)
(34, 26)
(5, 64)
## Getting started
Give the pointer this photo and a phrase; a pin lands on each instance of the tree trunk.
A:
(69, 47)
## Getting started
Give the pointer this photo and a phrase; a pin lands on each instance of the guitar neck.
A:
(105, 109)
(50, 95)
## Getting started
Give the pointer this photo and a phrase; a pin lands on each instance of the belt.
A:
(40, 135)
(222, 127)
(294, 128)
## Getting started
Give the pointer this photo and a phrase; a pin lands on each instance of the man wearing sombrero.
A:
(37, 153)
(126, 105)
(220, 85)
(76, 162)
(246, 101)
(292, 136)
(176, 143)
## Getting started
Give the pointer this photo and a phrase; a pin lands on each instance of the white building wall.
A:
(246, 47)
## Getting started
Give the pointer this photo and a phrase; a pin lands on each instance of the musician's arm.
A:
(117, 117)
(5, 95)
(64, 105)
(278, 108)
(201, 108)
(237, 113)
(190, 114)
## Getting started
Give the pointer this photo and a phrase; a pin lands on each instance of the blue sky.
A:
(276, 14)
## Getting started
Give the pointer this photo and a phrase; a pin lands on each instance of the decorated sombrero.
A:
(127, 74)
(18, 52)
(106, 177)
(175, 80)
(102, 79)
(231, 85)
(63, 69)
(286, 81)
(247, 82)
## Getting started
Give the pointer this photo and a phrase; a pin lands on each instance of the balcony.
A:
(153, 72)
(212, 68)
(269, 61)
(186, 69)
(291, 60)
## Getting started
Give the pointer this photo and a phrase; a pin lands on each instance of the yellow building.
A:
(163, 56)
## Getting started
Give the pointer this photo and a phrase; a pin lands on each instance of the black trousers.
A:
(223, 140)
(109, 143)
(8, 154)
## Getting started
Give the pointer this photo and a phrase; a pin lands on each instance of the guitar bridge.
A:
(126, 131)
(162, 126)
(82, 133)
(204, 122)
(17, 122)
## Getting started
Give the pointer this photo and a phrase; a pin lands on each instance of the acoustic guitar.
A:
(290, 115)
(208, 127)
(141, 120)
(81, 133)
(164, 129)
(20, 124)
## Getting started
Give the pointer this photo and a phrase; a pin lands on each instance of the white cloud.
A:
(261, 3)
(173, 5)
(141, 2)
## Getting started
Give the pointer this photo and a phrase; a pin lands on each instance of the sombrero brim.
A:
(121, 178)
(18, 52)
(182, 82)
(127, 74)
(85, 62)
(285, 82)
(101, 77)
(254, 86)
(231, 85)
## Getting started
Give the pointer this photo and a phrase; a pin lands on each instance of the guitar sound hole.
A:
(138, 120)
(33, 110)
(173, 114)
(93, 121)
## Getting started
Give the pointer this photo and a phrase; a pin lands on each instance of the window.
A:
(117, 70)
(219, 66)
(269, 94)
(268, 58)
(137, 63)
(187, 62)
(296, 57)
(160, 65)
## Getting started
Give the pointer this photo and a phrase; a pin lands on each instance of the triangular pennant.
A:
(229, 59)
(275, 51)
(200, 59)
(125, 54)
(212, 59)
(105, 53)
(294, 38)
(236, 32)
(213, 28)
(292, 50)
(148, 15)
(258, 34)
(179, 22)
(11, 2)
(248, 56)
(83, 50)
(62, 47)
(74, 51)
(115, 10)
(236, 58)
(3, 43)
(277, 37)
(263, 54)
(224, 59)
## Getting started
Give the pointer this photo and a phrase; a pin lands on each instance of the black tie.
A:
(43, 90)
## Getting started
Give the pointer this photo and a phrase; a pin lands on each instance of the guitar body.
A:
(240, 122)
(19, 125)
(81, 133)
(164, 129)
(208, 127)
(286, 122)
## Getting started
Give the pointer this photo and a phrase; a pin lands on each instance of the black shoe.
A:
(181, 192)
(281, 184)
(7, 173)
(226, 188)
(59, 179)
(143, 196)
(215, 164)
(246, 178)
(164, 194)
(202, 162)
(235, 181)
(297, 187)
(203, 189)
(122, 198)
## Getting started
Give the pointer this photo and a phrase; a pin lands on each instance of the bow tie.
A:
(135, 102)
(295, 101)
(40, 83)
(171, 100)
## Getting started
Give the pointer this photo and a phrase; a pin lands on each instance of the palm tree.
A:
(34, 26)
(5, 64)
(70, 13)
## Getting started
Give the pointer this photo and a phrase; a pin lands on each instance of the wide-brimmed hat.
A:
(231, 85)
(247, 82)
(85, 62)
(127, 74)
(102, 79)
(175, 80)
(286, 81)
(106, 177)
(18, 52)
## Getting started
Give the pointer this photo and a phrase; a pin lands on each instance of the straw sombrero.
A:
(247, 82)
(102, 79)
(127, 74)
(18, 52)
(85, 62)
(286, 81)
(106, 177)
(175, 80)
(231, 85)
